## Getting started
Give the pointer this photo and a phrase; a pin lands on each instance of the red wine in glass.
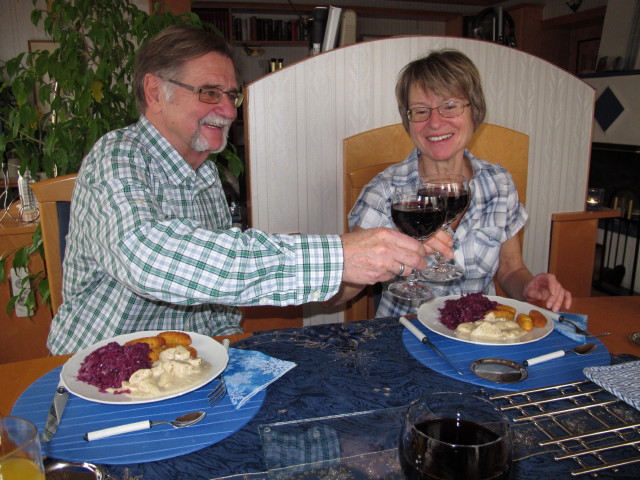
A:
(453, 191)
(488, 460)
(455, 203)
(418, 216)
(454, 436)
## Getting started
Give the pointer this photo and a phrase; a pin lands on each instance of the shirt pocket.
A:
(482, 251)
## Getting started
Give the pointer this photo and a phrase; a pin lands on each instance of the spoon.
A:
(182, 421)
(585, 349)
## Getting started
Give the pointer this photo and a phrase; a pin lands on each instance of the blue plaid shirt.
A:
(150, 248)
(494, 216)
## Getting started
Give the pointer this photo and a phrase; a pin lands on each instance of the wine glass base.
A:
(442, 273)
(412, 291)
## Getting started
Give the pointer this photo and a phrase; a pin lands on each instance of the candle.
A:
(594, 198)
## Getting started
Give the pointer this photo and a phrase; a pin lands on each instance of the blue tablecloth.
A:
(341, 368)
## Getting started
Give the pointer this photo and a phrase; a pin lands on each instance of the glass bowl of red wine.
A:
(451, 435)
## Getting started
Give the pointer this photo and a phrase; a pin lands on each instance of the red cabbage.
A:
(467, 308)
(110, 365)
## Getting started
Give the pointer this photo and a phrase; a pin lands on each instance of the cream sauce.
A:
(490, 328)
(174, 371)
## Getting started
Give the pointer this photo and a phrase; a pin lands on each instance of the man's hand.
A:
(379, 254)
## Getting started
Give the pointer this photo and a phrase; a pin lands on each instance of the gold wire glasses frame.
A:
(446, 110)
(211, 94)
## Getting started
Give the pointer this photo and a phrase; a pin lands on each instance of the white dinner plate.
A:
(429, 316)
(208, 349)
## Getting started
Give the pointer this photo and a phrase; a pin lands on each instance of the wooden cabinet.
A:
(573, 247)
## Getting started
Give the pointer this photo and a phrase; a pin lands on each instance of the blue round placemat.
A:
(157, 443)
(463, 354)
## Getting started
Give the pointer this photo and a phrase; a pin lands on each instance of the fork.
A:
(220, 389)
(580, 331)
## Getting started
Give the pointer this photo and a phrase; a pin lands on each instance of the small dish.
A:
(635, 337)
(499, 370)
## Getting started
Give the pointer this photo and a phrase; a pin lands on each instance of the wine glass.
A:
(452, 435)
(455, 194)
(419, 216)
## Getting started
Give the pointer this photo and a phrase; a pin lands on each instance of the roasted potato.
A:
(176, 338)
(154, 354)
(508, 308)
(539, 320)
(509, 315)
(153, 342)
(525, 322)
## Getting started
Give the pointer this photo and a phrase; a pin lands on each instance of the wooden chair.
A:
(368, 153)
(54, 197)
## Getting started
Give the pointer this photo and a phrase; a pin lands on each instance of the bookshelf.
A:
(256, 23)
(226, 15)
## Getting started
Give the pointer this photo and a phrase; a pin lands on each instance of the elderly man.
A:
(150, 244)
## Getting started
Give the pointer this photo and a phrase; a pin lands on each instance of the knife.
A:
(424, 339)
(55, 412)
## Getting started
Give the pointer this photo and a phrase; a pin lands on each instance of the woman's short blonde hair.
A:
(444, 73)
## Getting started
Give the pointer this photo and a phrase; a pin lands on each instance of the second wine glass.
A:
(453, 191)
(418, 215)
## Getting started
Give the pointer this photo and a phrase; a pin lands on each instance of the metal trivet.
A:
(578, 421)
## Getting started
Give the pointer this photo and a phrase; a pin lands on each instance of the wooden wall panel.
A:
(298, 117)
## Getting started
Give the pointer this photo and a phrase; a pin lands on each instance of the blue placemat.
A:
(462, 355)
(158, 443)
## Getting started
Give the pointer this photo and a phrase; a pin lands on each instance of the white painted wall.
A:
(300, 115)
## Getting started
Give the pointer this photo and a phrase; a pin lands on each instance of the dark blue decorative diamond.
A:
(608, 109)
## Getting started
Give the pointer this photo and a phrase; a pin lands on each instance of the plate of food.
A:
(144, 367)
(486, 319)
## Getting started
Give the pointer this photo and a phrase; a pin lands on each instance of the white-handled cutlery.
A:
(182, 421)
(424, 339)
(585, 349)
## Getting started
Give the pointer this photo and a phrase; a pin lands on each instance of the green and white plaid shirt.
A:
(150, 248)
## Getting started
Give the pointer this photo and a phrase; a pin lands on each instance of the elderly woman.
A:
(441, 102)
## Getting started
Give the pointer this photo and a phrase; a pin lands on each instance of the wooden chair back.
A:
(368, 153)
(49, 193)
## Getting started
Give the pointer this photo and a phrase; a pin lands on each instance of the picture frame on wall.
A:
(587, 55)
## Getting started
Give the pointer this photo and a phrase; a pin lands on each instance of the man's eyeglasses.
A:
(446, 110)
(211, 94)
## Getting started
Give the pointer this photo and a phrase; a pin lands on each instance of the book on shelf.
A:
(331, 30)
(347, 28)
(318, 25)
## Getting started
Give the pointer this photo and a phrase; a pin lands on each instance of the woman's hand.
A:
(441, 241)
(545, 287)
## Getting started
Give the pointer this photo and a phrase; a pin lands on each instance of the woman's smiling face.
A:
(441, 140)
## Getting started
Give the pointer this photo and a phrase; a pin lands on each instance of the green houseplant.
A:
(62, 99)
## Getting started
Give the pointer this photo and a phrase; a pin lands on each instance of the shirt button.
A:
(315, 295)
